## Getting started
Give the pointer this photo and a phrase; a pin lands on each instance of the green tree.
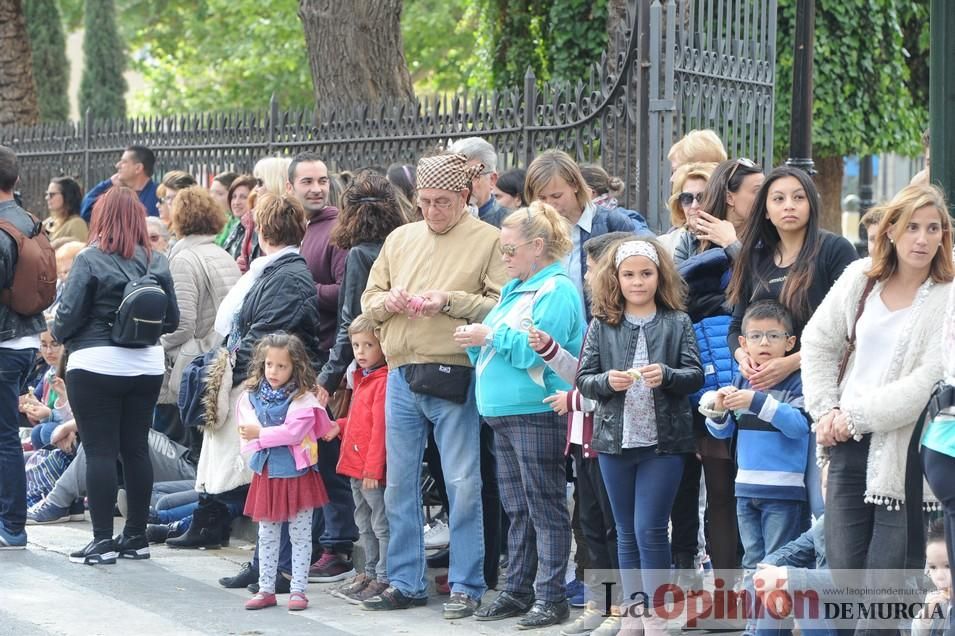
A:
(51, 71)
(578, 35)
(103, 87)
(862, 90)
(446, 45)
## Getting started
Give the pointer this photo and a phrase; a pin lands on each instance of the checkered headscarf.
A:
(447, 172)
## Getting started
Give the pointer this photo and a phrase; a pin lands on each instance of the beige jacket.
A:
(465, 261)
(203, 274)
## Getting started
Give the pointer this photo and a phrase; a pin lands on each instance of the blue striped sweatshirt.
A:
(772, 446)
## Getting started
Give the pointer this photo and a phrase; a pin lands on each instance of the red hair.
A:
(119, 223)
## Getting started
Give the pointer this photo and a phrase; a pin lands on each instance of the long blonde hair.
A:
(541, 221)
(273, 171)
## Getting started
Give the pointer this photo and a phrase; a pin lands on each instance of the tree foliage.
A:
(51, 71)
(445, 45)
(103, 86)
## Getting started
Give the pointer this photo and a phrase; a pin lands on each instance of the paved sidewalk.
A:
(175, 593)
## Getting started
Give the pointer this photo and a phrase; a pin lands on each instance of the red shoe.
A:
(441, 584)
(261, 601)
(296, 602)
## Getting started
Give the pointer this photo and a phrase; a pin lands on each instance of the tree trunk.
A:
(356, 55)
(17, 90)
(829, 181)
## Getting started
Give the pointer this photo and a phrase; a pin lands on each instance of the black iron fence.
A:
(677, 65)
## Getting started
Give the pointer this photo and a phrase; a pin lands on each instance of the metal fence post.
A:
(273, 123)
(530, 114)
(87, 123)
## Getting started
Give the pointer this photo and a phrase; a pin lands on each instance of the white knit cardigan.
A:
(889, 412)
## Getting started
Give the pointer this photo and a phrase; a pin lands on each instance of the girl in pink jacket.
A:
(280, 421)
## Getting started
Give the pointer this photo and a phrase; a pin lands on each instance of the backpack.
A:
(141, 314)
(34, 275)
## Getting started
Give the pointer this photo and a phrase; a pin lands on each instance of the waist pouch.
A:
(446, 381)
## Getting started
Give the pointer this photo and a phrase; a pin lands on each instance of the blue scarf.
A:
(271, 407)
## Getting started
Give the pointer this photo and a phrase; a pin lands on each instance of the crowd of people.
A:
(291, 345)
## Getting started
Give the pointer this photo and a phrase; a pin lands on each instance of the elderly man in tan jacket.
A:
(431, 277)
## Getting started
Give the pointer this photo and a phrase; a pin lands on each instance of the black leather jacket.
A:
(12, 324)
(283, 298)
(671, 343)
(94, 289)
(357, 267)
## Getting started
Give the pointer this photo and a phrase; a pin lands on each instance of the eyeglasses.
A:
(50, 195)
(441, 204)
(687, 198)
(50, 345)
(511, 250)
(742, 161)
(774, 337)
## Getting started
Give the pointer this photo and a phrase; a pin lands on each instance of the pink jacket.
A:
(305, 423)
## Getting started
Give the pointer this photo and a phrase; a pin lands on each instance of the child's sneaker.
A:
(352, 586)
(261, 600)
(374, 588)
(297, 601)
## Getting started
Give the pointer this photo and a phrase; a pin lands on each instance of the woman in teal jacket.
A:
(512, 382)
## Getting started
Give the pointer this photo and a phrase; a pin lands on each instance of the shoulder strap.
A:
(851, 337)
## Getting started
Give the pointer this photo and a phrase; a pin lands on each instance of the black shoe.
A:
(282, 585)
(545, 614)
(132, 547)
(246, 576)
(506, 605)
(160, 532)
(209, 530)
(392, 599)
(439, 559)
(102, 552)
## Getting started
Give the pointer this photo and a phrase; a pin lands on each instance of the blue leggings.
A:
(642, 485)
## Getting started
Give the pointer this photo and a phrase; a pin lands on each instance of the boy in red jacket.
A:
(363, 459)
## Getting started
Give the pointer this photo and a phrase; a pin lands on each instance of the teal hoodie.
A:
(511, 378)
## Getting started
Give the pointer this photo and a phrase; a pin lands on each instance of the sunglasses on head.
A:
(687, 198)
(742, 161)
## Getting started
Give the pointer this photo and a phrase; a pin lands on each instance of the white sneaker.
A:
(437, 536)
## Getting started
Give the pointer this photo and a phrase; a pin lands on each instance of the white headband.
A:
(636, 248)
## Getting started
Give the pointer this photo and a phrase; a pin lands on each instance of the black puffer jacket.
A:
(12, 324)
(94, 289)
(357, 266)
(282, 299)
(672, 344)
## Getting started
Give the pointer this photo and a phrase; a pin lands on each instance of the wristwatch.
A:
(447, 306)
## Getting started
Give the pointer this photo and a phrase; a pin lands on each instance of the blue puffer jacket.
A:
(719, 366)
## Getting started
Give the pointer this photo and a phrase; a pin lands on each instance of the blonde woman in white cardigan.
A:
(864, 424)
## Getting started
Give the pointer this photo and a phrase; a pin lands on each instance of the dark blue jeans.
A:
(642, 485)
(15, 365)
(940, 473)
(338, 530)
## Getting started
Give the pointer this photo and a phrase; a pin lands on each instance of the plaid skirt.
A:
(280, 499)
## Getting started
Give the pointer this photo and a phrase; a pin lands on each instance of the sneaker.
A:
(437, 536)
(332, 566)
(283, 585)
(374, 588)
(586, 623)
(132, 547)
(611, 625)
(353, 586)
(102, 552)
(44, 511)
(11, 541)
(261, 600)
(575, 593)
(297, 602)
(460, 605)
(391, 598)
(506, 605)
(247, 575)
(159, 532)
(544, 614)
(77, 511)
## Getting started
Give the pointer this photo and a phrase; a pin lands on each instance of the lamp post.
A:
(942, 95)
(800, 127)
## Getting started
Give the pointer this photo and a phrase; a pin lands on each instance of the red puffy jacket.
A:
(363, 431)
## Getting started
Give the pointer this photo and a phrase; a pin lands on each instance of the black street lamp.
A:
(800, 126)
(942, 96)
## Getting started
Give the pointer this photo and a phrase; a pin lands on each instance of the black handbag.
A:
(450, 382)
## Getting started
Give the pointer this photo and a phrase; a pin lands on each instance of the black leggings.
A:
(114, 414)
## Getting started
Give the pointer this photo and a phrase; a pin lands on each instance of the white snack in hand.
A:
(708, 406)
(633, 373)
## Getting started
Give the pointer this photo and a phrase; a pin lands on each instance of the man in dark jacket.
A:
(480, 152)
(308, 181)
(133, 170)
(19, 343)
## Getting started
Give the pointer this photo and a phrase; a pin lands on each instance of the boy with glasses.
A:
(772, 442)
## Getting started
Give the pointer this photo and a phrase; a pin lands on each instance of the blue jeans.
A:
(766, 525)
(457, 432)
(338, 530)
(642, 485)
(42, 433)
(15, 365)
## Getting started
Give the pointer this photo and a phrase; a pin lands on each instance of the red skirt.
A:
(280, 499)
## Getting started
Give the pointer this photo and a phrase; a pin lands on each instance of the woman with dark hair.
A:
(509, 189)
(230, 238)
(219, 189)
(370, 211)
(402, 176)
(63, 199)
(787, 257)
(113, 388)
